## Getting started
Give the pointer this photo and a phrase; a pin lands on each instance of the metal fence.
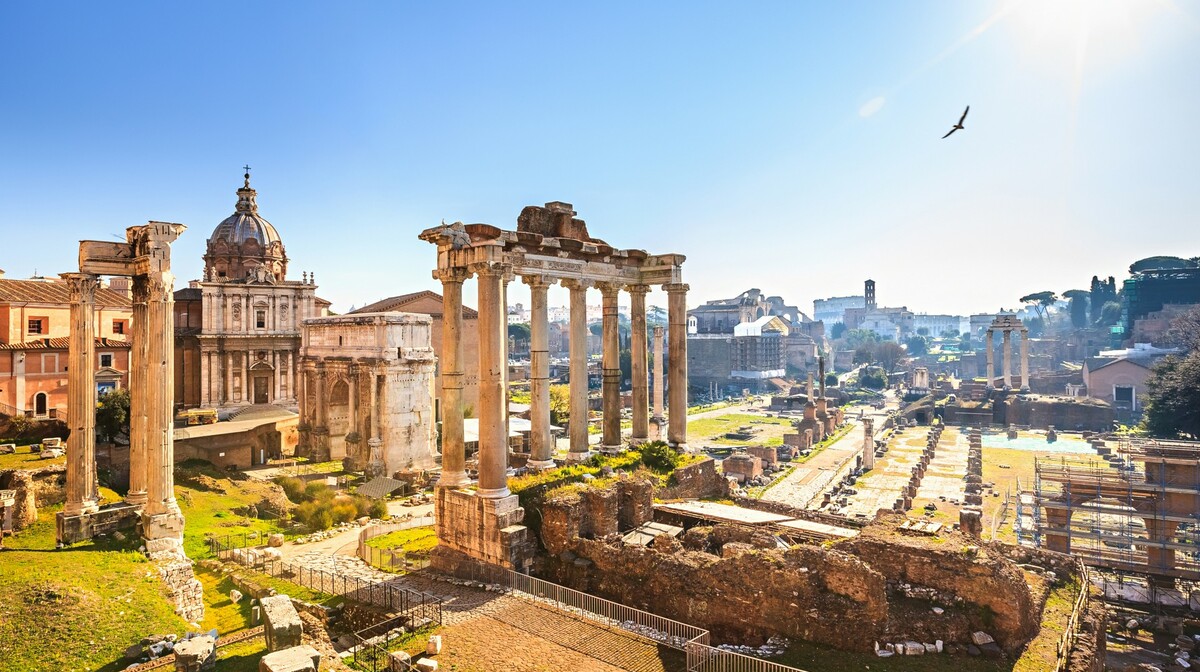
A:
(692, 640)
(406, 602)
(391, 560)
(1071, 634)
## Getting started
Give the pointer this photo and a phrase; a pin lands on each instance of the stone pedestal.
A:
(482, 528)
(196, 654)
(282, 626)
(303, 658)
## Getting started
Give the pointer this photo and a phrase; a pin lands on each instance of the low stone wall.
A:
(696, 481)
(1069, 413)
(595, 512)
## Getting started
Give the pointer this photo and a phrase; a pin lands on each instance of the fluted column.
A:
(991, 359)
(160, 353)
(640, 374)
(541, 448)
(493, 439)
(578, 369)
(82, 495)
(677, 388)
(660, 373)
(611, 365)
(1006, 354)
(453, 450)
(227, 365)
(1025, 360)
(138, 438)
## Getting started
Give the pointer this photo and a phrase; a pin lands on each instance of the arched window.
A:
(40, 402)
(340, 394)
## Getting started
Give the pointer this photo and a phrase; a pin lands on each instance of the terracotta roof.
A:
(63, 343)
(54, 292)
(397, 303)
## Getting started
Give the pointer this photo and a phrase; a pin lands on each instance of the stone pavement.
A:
(807, 481)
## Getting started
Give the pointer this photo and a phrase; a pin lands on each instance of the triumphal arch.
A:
(549, 246)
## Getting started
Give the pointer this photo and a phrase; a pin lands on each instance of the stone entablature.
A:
(367, 381)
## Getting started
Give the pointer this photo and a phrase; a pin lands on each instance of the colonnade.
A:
(1006, 325)
(492, 278)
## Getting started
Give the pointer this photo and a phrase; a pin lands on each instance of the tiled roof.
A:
(63, 343)
(397, 303)
(54, 292)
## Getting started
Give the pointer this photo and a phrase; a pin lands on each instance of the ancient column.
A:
(493, 440)
(503, 336)
(541, 448)
(677, 390)
(162, 522)
(82, 495)
(578, 370)
(227, 364)
(453, 452)
(138, 439)
(202, 362)
(637, 325)
(1024, 360)
(1006, 354)
(611, 363)
(660, 372)
(991, 365)
(868, 456)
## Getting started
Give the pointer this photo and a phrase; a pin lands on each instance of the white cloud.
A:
(871, 107)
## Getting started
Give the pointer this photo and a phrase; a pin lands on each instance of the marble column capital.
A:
(455, 274)
(676, 287)
(609, 289)
(576, 283)
(537, 281)
(642, 290)
(490, 268)
(81, 286)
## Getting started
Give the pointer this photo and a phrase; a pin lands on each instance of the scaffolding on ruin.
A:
(1135, 510)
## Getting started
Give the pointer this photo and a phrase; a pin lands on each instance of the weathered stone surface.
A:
(696, 481)
(300, 658)
(196, 654)
(426, 665)
(281, 624)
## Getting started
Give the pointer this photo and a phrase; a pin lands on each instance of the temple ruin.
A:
(1006, 325)
(550, 245)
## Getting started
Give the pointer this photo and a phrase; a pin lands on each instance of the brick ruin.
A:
(884, 585)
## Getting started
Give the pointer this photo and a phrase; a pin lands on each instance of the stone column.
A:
(453, 451)
(493, 440)
(227, 364)
(991, 356)
(204, 374)
(247, 383)
(1006, 354)
(578, 369)
(677, 389)
(641, 401)
(1024, 360)
(868, 457)
(659, 372)
(138, 439)
(541, 447)
(291, 375)
(611, 363)
(82, 495)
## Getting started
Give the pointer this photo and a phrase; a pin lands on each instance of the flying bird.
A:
(959, 125)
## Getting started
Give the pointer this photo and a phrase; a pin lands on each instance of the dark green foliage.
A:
(917, 345)
(864, 354)
(831, 380)
(889, 354)
(1040, 301)
(1173, 398)
(659, 457)
(1163, 263)
(112, 415)
(519, 332)
(1110, 313)
(1103, 291)
(873, 379)
(837, 330)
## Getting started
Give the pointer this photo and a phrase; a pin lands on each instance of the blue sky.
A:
(792, 146)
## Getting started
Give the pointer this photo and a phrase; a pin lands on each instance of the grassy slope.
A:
(208, 500)
(712, 430)
(26, 460)
(419, 540)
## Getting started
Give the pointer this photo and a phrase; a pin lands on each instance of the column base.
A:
(493, 493)
(453, 479)
(639, 440)
(136, 498)
(608, 449)
(681, 447)
(574, 456)
(540, 464)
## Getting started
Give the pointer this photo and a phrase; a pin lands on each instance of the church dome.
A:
(245, 246)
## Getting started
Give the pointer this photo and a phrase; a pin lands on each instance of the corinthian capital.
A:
(81, 286)
(676, 287)
(576, 284)
(453, 274)
(537, 281)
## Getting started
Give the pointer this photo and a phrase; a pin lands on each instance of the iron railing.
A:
(387, 559)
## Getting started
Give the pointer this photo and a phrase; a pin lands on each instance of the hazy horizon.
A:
(791, 147)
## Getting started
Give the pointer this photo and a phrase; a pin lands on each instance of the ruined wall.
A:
(696, 481)
(1063, 412)
(35, 488)
(592, 512)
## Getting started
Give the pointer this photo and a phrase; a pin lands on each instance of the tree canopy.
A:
(888, 354)
(1172, 398)
(917, 345)
(112, 415)
(1161, 263)
(1040, 301)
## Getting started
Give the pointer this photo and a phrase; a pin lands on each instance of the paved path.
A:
(807, 481)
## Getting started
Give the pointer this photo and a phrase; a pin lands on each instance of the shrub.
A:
(659, 457)
(317, 491)
(378, 509)
(292, 487)
(362, 506)
(344, 512)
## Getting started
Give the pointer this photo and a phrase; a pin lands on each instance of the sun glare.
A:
(1074, 33)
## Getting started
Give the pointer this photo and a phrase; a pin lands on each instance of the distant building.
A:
(938, 324)
(35, 323)
(832, 310)
(1119, 376)
(1149, 291)
(887, 323)
(1153, 326)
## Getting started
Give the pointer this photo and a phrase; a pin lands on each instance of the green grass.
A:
(208, 499)
(417, 541)
(76, 608)
(26, 460)
(242, 656)
(714, 429)
(219, 611)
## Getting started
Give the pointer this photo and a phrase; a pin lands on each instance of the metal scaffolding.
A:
(1133, 510)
